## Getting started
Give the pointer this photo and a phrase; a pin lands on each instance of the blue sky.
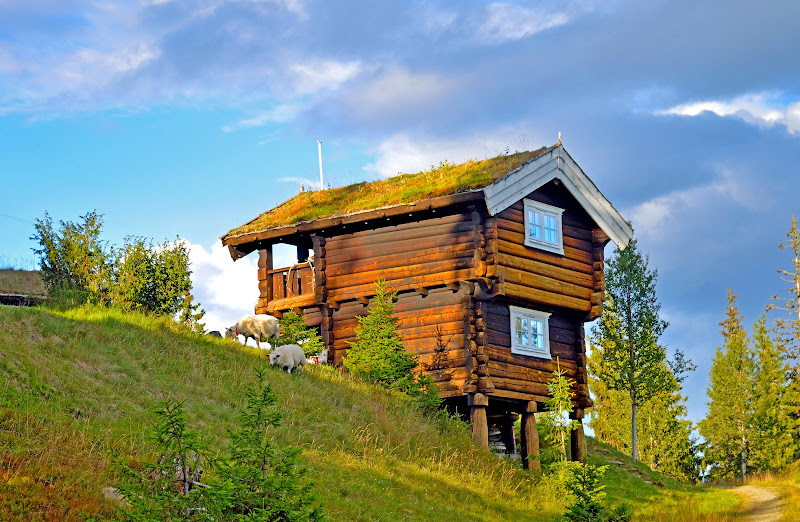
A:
(188, 118)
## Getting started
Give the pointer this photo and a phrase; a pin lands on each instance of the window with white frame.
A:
(543, 226)
(530, 333)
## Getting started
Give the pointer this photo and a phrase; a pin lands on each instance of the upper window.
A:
(530, 332)
(543, 226)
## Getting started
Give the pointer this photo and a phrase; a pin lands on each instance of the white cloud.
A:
(310, 78)
(323, 74)
(227, 290)
(397, 90)
(279, 114)
(513, 22)
(764, 109)
(677, 210)
(405, 153)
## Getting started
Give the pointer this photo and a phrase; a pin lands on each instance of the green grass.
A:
(787, 484)
(443, 180)
(75, 383)
(654, 496)
(26, 282)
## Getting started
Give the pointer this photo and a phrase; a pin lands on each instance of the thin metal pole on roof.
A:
(319, 149)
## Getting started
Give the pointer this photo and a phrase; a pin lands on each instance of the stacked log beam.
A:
(599, 240)
(264, 281)
(568, 286)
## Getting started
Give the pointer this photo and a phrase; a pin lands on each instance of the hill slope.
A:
(75, 383)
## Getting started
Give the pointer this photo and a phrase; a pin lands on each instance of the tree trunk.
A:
(634, 443)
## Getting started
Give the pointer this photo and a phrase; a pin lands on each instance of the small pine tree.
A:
(559, 406)
(165, 489)
(584, 484)
(378, 354)
(295, 331)
(191, 313)
(261, 482)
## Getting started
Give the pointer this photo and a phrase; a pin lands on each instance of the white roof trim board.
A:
(558, 164)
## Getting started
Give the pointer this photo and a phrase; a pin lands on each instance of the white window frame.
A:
(526, 349)
(548, 211)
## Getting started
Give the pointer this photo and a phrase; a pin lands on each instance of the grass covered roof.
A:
(444, 180)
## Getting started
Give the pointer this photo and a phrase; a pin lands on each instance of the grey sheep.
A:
(258, 326)
(288, 357)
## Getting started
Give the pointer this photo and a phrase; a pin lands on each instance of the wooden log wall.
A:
(524, 377)
(426, 322)
(571, 280)
(408, 256)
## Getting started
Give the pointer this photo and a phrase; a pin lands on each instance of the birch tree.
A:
(665, 436)
(628, 332)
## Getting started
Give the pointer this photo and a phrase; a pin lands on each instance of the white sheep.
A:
(287, 357)
(258, 326)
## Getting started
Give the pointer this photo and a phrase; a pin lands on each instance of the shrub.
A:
(583, 481)
(256, 482)
(295, 331)
(77, 267)
(149, 278)
(73, 259)
(378, 354)
(159, 490)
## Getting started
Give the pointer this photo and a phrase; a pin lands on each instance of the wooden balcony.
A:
(287, 288)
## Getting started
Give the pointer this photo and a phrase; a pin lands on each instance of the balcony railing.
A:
(292, 281)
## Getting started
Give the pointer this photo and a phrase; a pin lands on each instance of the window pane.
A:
(518, 330)
(537, 334)
(550, 229)
(534, 224)
(524, 332)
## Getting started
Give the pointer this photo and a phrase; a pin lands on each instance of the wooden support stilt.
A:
(577, 440)
(477, 418)
(530, 438)
(507, 429)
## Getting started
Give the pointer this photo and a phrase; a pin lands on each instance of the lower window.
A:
(530, 332)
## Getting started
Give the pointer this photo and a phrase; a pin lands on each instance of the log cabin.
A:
(497, 264)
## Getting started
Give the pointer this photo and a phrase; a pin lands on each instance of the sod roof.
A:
(444, 180)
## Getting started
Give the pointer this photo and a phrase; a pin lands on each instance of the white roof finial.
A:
(559, 138)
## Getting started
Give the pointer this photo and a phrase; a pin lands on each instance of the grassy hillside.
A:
(75, 383)
(27, 282)
(786, 485)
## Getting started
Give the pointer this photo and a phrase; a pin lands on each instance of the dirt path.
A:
(760, 504)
